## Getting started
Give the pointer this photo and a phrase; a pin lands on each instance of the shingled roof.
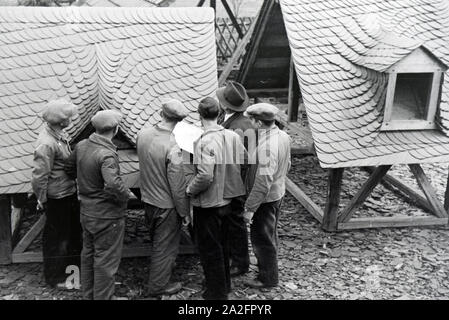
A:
(110, 58)
(123, 3)
(341, 49)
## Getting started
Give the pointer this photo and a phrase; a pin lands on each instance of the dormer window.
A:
(414, 85)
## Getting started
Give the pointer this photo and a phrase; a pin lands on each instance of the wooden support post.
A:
(333, 199)
(364, 192)
(304, 200)
(232, 17)
(429, 192)
(200, 4)
(446, 196)
(293, 93)
(5, 230)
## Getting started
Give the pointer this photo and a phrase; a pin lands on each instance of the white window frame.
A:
(431, 108)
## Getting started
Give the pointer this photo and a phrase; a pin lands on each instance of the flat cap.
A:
(262, 111)
(106, 119)
(174, 109)
(57, 111)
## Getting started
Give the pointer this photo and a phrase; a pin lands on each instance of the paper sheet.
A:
(186, 134)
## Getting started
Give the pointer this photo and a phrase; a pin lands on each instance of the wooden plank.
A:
(16, 222)
(333, 199)
(27, 239)
(395, 184)
(364, 192)
(304, 200)
(128, 252)
(272, 92)
(293, 94)
(236, 56)
(446, 196)
(429, 192)
(391, 222)
(261, 23)
(232, 17)
(5, 230)
(272, 62)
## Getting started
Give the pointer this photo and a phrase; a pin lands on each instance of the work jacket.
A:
(48, 178)
(94, 162)
(216, 176)
(266, 179)
(162, 178)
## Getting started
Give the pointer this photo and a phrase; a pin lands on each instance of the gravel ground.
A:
(400, 263)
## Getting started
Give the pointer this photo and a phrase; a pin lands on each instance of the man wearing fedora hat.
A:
(216, 181)
(56, 194)
(234, 100)
(104, 197)
(162, 186)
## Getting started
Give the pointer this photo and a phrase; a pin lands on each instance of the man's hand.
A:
(41, 207)
(248, 216)
(186, 220)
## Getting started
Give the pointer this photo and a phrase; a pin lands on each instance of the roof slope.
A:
(339, 48)
(121, 58)
(123, 3)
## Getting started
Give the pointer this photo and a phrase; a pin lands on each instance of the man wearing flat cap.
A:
(266, 188)
(162, 186)
(234, 100)
(56, 194)
(104, 197)
(216, 181)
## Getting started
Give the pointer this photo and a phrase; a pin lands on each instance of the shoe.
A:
(169, 290)
(257, 284)
(235, 271)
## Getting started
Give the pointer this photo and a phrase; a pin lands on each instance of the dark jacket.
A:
(217, 178)
(240, 124)
(48, 178)
(94, 162)
(162, 178)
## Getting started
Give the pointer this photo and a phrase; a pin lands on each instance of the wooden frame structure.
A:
(333, 220)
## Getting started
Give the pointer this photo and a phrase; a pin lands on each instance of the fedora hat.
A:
(233, 96)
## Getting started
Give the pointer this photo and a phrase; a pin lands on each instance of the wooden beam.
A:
(390, 222)
(364, 192)
(200, 4)
(128, 252)
(429, 192)
(16, 222)
(232, 17)
(236, 55)
(261, 23)
(272, 92)
(304, 200)
(446, 196)
(5, 230)
(29, 237)
(333, 199)
(293, 94)
(394, 184)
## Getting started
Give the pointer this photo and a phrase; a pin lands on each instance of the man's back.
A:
(102, 192)
(218, 156)
(154, 146)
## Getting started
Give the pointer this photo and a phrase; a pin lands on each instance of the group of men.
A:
(237, 177)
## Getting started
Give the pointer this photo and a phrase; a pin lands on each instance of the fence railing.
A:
(228, 38)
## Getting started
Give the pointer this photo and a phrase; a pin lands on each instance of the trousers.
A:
(238, 236)
(164, 226)
(211, 233)
(264, 238)
(61, 238)
(101, 255)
